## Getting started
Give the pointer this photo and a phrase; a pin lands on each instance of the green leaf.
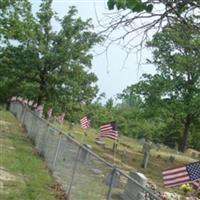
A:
(111, 4)
(149, 8)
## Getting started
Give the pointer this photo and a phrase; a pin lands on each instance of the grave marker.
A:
(146, 151)
(132, 191)
(85, 155)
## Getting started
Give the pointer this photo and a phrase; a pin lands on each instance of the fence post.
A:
(111, 183)
(57, 149)
(24, 108)
(73, 173)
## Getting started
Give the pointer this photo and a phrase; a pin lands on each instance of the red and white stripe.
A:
(30, 103)
(49, 113)
(61, 117)
(35, 105)
(85, 122)
(25, 101)
(106, 130)
(39, 109)
(13, 98)
(111, 134)
(175, 176)
(20, 99)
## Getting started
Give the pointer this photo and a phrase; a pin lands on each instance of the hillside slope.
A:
(128, 156)
(23, 174)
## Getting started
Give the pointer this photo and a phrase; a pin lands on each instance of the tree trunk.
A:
(8, 104)
(42, 88)
(185, 137)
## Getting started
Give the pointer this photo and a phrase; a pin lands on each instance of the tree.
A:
(174, 92)
(132, 119)
(51, 66)
(15, 27)
(142, 18)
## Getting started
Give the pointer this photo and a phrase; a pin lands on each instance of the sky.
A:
(113, 71)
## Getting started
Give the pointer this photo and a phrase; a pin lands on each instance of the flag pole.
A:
(114, 151)
(83, 136)
(85, 124)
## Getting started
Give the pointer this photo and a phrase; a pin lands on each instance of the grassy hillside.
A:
(128, 156)
(23, 174)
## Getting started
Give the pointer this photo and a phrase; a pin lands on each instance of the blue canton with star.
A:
(193, 170)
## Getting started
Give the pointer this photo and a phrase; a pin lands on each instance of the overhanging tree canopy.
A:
(142, 18)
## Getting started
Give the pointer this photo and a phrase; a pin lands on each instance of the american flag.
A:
(182, 174)
(49, 113)
(30, 103)
(196, 185)
(25, 101)
(13, 98)
(39, 109)
(85, 122)
(35, 105)
(20, 99)
(109, 130)
(61, 117)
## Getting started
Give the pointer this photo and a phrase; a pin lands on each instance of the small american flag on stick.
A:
(20, 99)
(39, 109)
(61, 117)
(109, 130)
(25, 101)
(182, 174)
(30, 103)
(85, 122)
(35, 105)
(49, 113)
(13, 98)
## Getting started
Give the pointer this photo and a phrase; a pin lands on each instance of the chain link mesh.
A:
(83, 174)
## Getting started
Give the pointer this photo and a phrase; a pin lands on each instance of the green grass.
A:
(29, 178)
(129, 156)
(24, 175)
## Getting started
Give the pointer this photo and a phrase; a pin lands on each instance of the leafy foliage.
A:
(51, 67)
(173, 93)
(163, 107)
(134, 5)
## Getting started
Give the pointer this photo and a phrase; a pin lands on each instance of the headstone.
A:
(132, 191)
(176, 146)
(99, 142)
(146, 151)
(123, 155)
(194, 154)
(158, 147)
(85, 154)
(142, 141)
(54, 119)
(96, 171)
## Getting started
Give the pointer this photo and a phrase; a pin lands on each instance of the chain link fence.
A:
(83, 174)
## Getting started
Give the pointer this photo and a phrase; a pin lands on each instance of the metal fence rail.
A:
(83, 174)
